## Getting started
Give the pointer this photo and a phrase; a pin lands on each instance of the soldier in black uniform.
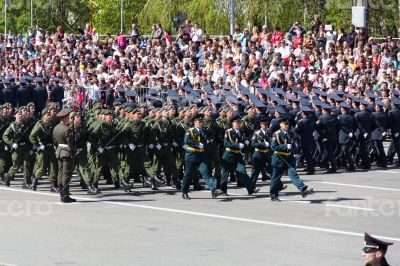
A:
(40, 95)
(328, 127)
(347, 125)
(363, 133)
(381, 123)
(56, 91)
(24, 92)
(9, 92)
(305, 128)
(394, 121)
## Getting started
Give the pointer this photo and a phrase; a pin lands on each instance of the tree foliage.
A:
(212, 15)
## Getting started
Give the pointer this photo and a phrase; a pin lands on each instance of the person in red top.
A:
(277, 36)
(298, 40)
(121, 40)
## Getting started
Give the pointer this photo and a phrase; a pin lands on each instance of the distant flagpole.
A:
(31, 13)
(5, 18)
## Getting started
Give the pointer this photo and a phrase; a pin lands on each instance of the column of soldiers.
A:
(146, 143)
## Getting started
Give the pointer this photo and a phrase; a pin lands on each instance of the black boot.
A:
(26, 184)
(116, 184)
(7, 179)
(146, 181)
(54, 187)
(96, 188)
(82, 183)
(159, 180)
(62, 199)
(177, 184)
(34, 183)
(67, 198)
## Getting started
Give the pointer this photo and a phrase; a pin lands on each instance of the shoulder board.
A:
(229, 129)
(277, 132)
(258, 131)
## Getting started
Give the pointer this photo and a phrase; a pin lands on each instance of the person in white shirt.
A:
(197, 33)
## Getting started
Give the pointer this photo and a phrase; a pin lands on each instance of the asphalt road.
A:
(159, 228)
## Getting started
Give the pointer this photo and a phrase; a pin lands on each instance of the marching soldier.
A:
(196, 141)
(283, 159)
(381, 123)
(210, 130)
(363, 133)
(394, 121)
(327, 124)
(16, 138)
(80, 135)
(66, 148)
(104, 135)
(305, 128)
(41, 138)
(163, 134)
(374, 251)
(347, 125)
(5, 155)
(261, 155)
(232, 160)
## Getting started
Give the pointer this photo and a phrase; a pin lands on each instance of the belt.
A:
(109, 147)
(139, 146)
(195, 149)
(232, 150)
(79, 150)
(260, 150)
(211, 140)
(63, 146)
(22, 143)
(49, 145)
(283, 153)
(165, 144)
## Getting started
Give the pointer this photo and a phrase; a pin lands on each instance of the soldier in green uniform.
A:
(64, 140)
(80, 135)
(41, 137)
(138, 138)
(162, 131)
(247, 124)
(15, 137)
(210, 129)
(5, 155)
(31, 119)
(283, 159)
(232, 159)
(195, 159)
(105, 141)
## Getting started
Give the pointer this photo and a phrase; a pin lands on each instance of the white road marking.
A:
(388, 171)
(352, 185)
(222, 217)
(348, 207)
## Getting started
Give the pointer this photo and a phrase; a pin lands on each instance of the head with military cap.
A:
(374, 250)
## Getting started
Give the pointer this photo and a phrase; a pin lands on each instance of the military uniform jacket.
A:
(381, 123)
(328, 127)
(305, 128)
(347, 124)
(232, 140)
(258, 142)
(80, 134)
(193, 140)
(210, 130)
(63, 138)
(394, 121)
(42, 133)
(104, 135)
(283, 155)
(16, 133)
(364, 123)
(163, 132)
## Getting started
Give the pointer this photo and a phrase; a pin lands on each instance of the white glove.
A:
(241, 145)
(185, 147)
(201, 145)
(247, 142)
(350, 135)
(41, 147)
(396, 135)
(100, 149)
(266, 144)
(324, 140)
(158, 146)
(151, 146)
(30, 152)
(365, 135)
(314, 134)
(14, 146)
(289, 146)
(132, 146)
(121, 146)
(384, 134)
(174, 144)
(88, 146)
